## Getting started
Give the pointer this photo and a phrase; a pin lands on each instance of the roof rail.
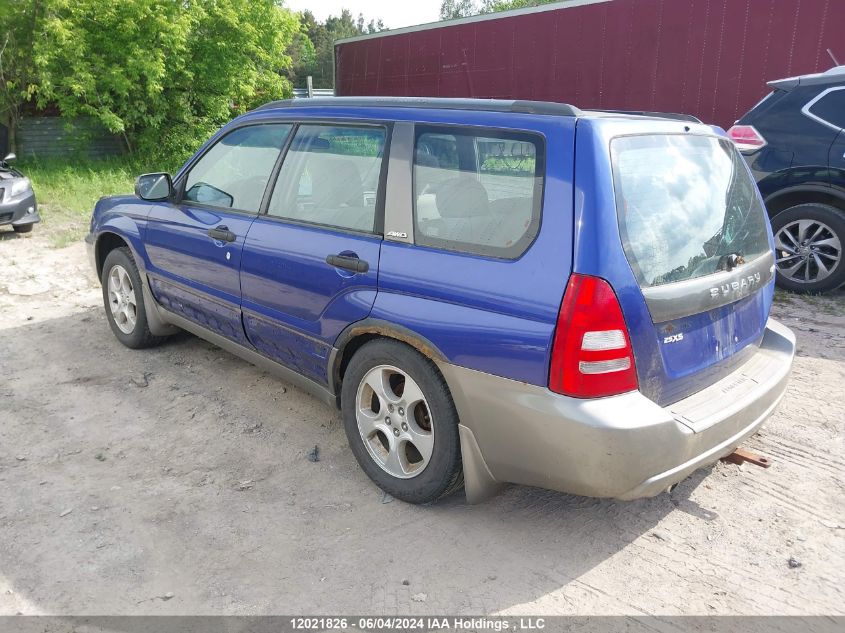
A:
(488, 105)
(658, 115)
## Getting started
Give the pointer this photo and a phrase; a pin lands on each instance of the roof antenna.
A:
(468, 74)
(833, 57)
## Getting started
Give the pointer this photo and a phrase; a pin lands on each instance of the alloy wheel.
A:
(394, 421)
(807, 251)
(122, 300)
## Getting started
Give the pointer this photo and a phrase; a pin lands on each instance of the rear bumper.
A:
(19, 211)
(623, 446)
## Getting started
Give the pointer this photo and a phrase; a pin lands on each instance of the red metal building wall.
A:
(710, 58)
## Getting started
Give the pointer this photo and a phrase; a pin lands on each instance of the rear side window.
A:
(687, 207)
(234, 172)
(330, 176)
(830, 107)
(476, 192)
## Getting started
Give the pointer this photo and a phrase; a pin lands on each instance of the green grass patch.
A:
(832, 303)
(68, 189)
(784, 296)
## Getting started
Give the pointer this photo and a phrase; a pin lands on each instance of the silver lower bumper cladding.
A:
(623, 446)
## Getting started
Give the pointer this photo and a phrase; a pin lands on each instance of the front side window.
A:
(234, 173)
(686, 205)
(330, 176)
(477, 193)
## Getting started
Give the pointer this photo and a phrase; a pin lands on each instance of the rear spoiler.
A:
(656, 115)
(837, 73)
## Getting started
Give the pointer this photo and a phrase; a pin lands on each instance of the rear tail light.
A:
(746, 137)
(591, 354)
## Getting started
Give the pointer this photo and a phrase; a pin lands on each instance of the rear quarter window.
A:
(686, 205)
(829, 106)
(477, 192)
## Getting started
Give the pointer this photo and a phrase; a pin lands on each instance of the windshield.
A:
(687, 207)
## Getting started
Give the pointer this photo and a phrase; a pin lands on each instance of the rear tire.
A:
(808, 238)
(401, 422)
(22, 228)
(123, 298)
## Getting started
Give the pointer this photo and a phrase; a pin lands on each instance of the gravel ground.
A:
(176, 481)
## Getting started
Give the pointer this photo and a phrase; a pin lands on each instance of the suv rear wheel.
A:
(401, 422)
(809, 239)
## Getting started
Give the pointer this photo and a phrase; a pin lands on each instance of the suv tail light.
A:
(746, 137)
(591, 354)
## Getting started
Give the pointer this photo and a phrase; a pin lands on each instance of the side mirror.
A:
(154, 187)
(9, 157)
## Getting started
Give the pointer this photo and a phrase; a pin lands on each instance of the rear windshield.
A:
(687, 207)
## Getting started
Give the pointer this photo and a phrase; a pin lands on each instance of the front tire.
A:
(123, 298)
(809, 241)
(401, 422)
(22, 228)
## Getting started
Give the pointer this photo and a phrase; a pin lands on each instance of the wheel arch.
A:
(479, 484)
(471, 467)
(786, 198)
(106, 242)
(361, 332)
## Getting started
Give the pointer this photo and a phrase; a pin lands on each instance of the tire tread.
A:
(438, 391)
(145, 338)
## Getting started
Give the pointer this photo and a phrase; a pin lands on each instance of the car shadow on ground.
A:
(10, 235)
(183, 469)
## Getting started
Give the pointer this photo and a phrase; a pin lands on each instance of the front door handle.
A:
(222, 233)
(346, 262)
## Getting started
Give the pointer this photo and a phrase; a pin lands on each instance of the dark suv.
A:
(795, 144)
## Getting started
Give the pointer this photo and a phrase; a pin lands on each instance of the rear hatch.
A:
(697, 240)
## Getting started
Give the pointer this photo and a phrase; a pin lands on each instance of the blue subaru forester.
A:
(491, 291)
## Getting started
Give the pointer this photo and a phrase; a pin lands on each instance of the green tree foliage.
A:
(450, 9)
(20, 22)
(494, 6)
(162, 73)
(236, 59)
(322, 37)
(302, 53)
(113, 61)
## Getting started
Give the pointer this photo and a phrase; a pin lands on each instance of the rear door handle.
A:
(222, 233)
(346, 262)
